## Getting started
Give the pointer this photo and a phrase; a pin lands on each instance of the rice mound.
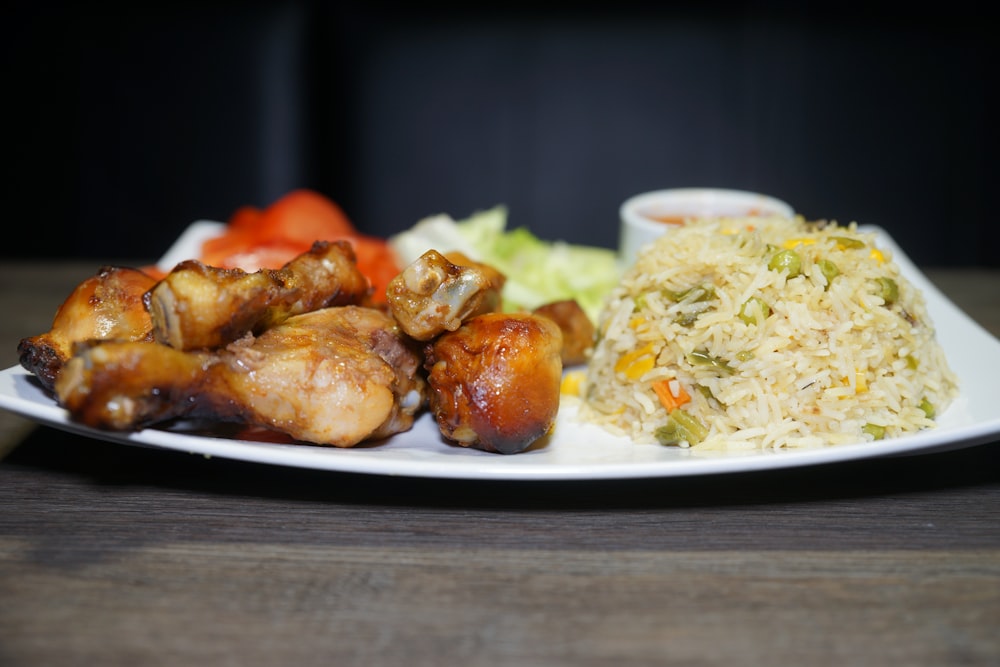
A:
(769, 333)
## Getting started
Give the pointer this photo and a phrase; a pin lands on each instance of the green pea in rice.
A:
(784, 334)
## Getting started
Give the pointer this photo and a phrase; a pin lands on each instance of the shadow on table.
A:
(113, 464)
(65, 494)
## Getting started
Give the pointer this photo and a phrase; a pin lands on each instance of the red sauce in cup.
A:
(678, 219)
(669, 219)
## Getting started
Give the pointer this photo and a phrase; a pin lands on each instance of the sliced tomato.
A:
(217, 251)
(377, 261)
(269, 238)
(245, 217)
(304, 216)
(261, 256)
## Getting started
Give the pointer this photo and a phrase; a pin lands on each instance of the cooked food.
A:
(577, 329)
(278, 349)
(494, 378)
(432, 295)
(336, 376)
(106, 306)
(494, 382)
(765, 333)
(493, 297)
(199, 306)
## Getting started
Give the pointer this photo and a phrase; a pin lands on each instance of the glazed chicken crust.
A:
(198, 306)
(303, 351)
(578, 332)
(335, 376)
(433, 295)
(494, 381)
(106, 306)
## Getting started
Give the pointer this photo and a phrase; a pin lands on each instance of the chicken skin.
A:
(492, 300)
(106, 306)
(577, 330)
(433, 295)
(203, 307)
(494, 382)
(302, 351)
(335, 376)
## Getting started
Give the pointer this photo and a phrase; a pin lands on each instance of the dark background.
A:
(125, 124)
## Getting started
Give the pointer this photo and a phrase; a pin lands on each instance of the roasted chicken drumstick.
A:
(336, 376)
(198, 306)
(299, 351)
(494, 378)
(577, 329)
(106, 306)
(494, 382)
(433, 295)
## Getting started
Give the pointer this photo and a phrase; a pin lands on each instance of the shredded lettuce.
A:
(537, 271)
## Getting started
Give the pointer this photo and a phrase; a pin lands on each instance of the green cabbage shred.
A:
(537, 271)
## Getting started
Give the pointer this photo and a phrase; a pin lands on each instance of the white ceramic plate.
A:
(575, 451)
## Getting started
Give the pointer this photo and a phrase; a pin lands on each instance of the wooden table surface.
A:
(120, 555)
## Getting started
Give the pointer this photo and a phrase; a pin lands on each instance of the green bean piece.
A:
(874, 430)
(928, 408)
(828, 269)
(888, 290)
(786, 260)
(696, 294)
(687, 319)
(848, 242)
(695, 301)
(681, 427)
(698, 358)
(752, 307)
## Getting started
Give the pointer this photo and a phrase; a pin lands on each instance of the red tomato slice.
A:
(304, 216)
(217, 251)
(377, 261)
(268, 239)
(245, 217)
(261, 256)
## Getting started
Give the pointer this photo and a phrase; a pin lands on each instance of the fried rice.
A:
(765, 333)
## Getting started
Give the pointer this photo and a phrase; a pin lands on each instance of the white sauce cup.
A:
(648, 216)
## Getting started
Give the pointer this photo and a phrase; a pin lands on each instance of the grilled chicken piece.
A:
(494, 382)
(433, 295)
(335, 376)
(197, 306)
(108, 305)
(492, 297)
(577, 329)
